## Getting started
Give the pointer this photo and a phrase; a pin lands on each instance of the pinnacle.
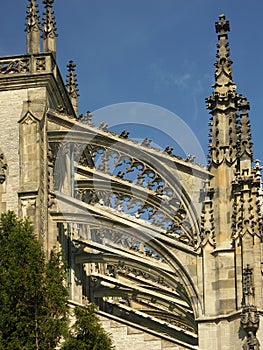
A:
(32, 16)
(49, 24)
(32, 28)
(72, 85)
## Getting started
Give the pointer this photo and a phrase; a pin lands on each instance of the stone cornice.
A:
(32, 71)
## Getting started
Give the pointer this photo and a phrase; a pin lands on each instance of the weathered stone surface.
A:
(169, 250)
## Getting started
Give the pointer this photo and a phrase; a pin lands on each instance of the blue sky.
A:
(152, 51)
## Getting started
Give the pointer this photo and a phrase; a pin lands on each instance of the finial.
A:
(72, 85)
(49, 28)
(32, 28)
(86, 118)
(103, 126)
(89, 117)
(190, 158)
(222, 26)
(124, 134)
(168, 150)
(146, 142)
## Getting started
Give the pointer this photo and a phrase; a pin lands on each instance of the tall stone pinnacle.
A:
(230, 127)
(72, 85)
(222, 103)
(33, 28)
(49, 28)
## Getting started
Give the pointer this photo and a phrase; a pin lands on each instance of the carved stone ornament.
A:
(28, 119)
(13, 67)
(28, 203)
(40, 64)
(207, 216)
(3, 168)
(249, 320)
(250, 323)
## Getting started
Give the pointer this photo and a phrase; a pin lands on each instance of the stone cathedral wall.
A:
(11, 105)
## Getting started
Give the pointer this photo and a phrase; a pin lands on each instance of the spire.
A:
(72, 85)
(33, 28)
(223, 102)
(223, 71)
(49, 28)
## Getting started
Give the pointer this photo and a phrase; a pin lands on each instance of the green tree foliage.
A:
(87, 333)
(33, 299)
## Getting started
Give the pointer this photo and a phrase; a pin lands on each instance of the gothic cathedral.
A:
(126, 215)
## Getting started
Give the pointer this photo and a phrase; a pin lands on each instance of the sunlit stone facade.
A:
(169, 250)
